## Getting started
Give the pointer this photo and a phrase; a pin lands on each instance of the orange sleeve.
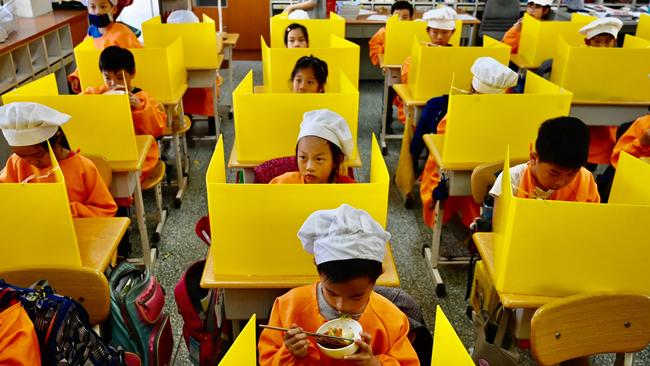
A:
(18, 340)
(511, 38)
(9, 174)
(404, 73)
(376, 45)
(401, 352)
(592, 195)
(150, 118)
(99, 202)
(630, 142)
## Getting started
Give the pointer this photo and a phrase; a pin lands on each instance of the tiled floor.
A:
(180, 247)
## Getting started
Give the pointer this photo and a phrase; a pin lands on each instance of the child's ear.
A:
(533, 157)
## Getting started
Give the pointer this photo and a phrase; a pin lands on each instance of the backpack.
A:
(206, 332)
(64, 335)
(138, 323)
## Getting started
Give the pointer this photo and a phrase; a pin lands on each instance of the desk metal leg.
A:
(181, 177)
(142, 225)
(432, 253)
(382, 135)
(215, 105)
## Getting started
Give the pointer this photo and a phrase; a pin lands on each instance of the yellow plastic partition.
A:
(278, 64)
(239, 214)
(320, 30)
(480, 126)
(539, 38)
(555, 248)
(433, 68)
(36, 224)
(243, 351)
(447, 347)
(267, 125)
(43, 86)
(643, 28)
(200, 42)
(604, 74)
(399, 38)
(159, 71)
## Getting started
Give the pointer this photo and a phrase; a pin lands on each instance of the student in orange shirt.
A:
(324, 142)
(348, 247)
(635, 141)
(404, 11)
(296, 36)
(149, 118)
(309, 75)
(28, 127)
(555, 170)
(538, 9)
(104, 32)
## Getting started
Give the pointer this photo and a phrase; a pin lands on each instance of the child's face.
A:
(440, 37)
(536, 11)
(99, 7)
(551, 176)
(604, 40)
(315, 160)
(296, 39)
(117, 79)
(404, 14)
(35, 155)
(350, 297)
(305, 82)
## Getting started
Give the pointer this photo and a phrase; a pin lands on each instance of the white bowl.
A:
(349, 326)
(114, 92)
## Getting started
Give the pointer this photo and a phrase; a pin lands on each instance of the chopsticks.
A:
(311, 334)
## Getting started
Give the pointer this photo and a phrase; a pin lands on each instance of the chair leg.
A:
(186, 154)
(161, 213)
(624, 359)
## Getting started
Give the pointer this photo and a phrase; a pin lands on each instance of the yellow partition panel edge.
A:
(399, 35)
(504, 208)
(267, 124)
(243, 351)
(552, 248)
(233, 208)
(643, 28)
(43, 86)
(38, 229)
(319, 30)
(447, 347)
(630, 182)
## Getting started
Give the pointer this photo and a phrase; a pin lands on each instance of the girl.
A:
(296, 36)
(323, 144)
(309, 75)
(538, 9)
(28, 127)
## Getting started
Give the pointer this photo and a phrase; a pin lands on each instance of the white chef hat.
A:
(441, 18)
(85, 2)
(298, 14)
(181, 17)
(607, 25)
(328, 125)
(25, 124)
(541, 2)
(492, 77)
(343, 233)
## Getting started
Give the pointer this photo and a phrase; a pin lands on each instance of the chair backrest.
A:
(270, 169)
(587, 324)
(483, 177)
(498, 16)
(103, 167)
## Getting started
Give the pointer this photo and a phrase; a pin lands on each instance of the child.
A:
(348, 247)
(635, 141)
(538, 9)
(404, 11)
(317, 9)
(323, 144)
(28, 127)
(149, 118)
(104, 31)
(309, 75)
(296, 36)
(441, 25)
(555, 170)
(490, 77)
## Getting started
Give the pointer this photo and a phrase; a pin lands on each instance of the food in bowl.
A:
(341, 327)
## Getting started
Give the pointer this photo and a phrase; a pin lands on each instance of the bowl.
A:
(114, 92)
(351, 329)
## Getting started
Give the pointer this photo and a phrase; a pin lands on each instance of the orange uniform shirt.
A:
(296, 178)
(511, 38)
(18, 341)
(149, 119)
(387, 325)
(87, 192)
(630, 142)
(376, 45)
(602, 140)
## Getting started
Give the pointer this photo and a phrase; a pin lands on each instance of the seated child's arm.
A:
(149, 115)
(511, 38)
(8, 174)
(404, 73)
(635, 141)
(401, 351)
(376, 46)
(99, 202)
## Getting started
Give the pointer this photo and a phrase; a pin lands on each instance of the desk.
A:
(392, 76)
(207, 78)
(607, 113)
(229, 43)
(174, 107)
(246, 295)
(126, 182)
(98, 238)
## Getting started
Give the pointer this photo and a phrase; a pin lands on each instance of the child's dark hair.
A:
(318, 66)
(337, 157)
(563, 141)
(401, 4)
(293, 26)
(114, 58)
(349, 269)
(58, 139)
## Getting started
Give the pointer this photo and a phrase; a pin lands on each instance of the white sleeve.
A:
(496, 188)
(515, 177)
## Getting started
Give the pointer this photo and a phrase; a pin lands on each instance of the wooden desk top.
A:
(220, 59)
(29, 29)
(234, 163)
(485, 245)
(144, 143)
(363, 19)
(98, 238)
(384, 66)
(231, 39)
(177, 98)
(209, 280)
(435, 143)
(404, 92)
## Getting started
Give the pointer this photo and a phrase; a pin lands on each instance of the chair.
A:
(154, 181)
(587, 324)
(498, 17)
(483, 177)
(270, 169)
(103, 167)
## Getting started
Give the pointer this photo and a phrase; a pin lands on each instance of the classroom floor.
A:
(180, 247)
